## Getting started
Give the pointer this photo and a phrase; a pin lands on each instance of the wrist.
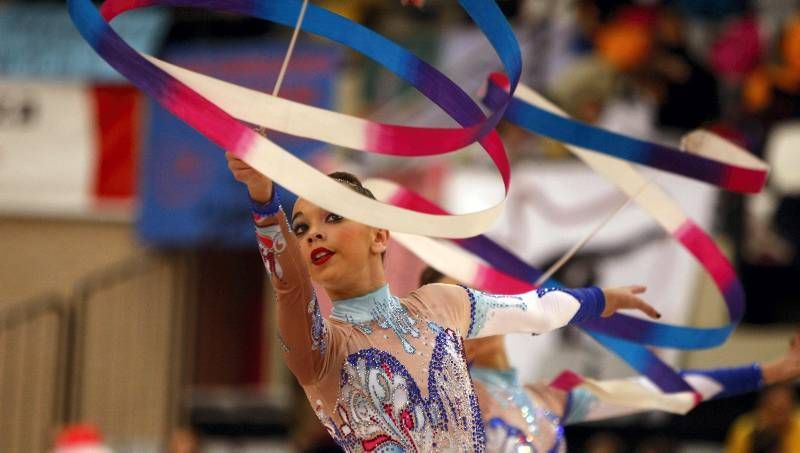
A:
(780, 371)
(261, 194)
(592, 303)
(262, 211)
(608, 303)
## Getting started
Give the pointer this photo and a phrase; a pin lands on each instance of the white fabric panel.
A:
(47, 147)
(541, 314)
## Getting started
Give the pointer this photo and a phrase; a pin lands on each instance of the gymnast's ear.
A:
(380, 240)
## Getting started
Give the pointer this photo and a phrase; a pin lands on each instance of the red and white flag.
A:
(67, 149)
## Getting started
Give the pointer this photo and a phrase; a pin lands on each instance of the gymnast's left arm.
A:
(480, 314)
(714, 383)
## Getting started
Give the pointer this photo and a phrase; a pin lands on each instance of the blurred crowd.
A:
(656, 70)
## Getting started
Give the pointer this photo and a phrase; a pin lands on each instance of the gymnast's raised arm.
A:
(301, 329)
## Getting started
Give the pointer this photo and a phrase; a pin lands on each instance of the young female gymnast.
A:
(531, 417)
(386, 373)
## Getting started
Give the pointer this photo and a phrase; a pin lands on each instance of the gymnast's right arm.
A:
(301, 329)
(712, 383)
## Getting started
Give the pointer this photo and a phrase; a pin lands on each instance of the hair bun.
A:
(352, 181)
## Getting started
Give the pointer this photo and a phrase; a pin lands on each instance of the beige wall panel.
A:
(28, 365)
(127, 368)
(41, 255)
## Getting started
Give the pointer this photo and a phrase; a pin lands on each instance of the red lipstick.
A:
(321, 255)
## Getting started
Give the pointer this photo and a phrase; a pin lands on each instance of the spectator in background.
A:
(766, 226)
(584, 88)
(687, 92)
(772, 91)
(774, 426)
(590, 15)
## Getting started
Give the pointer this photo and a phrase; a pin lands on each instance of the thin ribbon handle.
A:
(290, 50)
(588, 237)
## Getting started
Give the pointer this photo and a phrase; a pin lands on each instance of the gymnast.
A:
(383, 372)
(531, 417)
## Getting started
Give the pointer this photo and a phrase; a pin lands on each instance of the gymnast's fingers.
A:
(637, 289)
(646, 308)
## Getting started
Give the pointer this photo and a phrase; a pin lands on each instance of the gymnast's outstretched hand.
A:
(626, 298)
(786, 368)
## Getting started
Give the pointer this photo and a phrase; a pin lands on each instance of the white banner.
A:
(551, 206)
(47, 148)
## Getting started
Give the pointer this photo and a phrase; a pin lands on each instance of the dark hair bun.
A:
(429, 275)
(352, 181)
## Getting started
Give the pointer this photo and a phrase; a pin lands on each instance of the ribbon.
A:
(223, 112)
(197, 101)
(624, 335)
(709, 158)
(674, 394)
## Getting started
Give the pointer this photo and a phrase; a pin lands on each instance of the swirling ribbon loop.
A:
(709, 158)
(223, 112)
(198, 101)
(623, 335)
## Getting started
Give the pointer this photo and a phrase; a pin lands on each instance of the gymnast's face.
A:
(341, 255)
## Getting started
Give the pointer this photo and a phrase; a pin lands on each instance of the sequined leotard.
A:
(385, 373)
(519, 418)
(531, 418)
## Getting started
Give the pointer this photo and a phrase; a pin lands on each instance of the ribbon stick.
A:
(585, 240)
(289, 52)
(285, 65)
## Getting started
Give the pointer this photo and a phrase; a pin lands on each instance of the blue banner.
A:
(188, 196)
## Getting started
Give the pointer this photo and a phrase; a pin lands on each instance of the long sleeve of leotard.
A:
(480, 314)
(583, 405)
(537, 311)
(302, 331)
